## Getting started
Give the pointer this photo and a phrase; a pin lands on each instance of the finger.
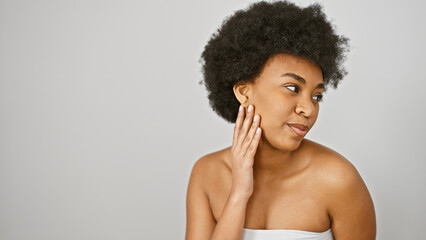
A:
(238, 123)
(251, 151)
(246, 125)
(251, 134)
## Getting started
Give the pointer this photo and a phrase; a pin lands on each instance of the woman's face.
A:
(287, 93)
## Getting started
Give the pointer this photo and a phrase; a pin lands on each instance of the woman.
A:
(266, 70)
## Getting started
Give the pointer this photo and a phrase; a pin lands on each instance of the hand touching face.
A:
(246, 139)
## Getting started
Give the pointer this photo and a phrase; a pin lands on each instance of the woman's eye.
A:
(318, 98)
(293, 88)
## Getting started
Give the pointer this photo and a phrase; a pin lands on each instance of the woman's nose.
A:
(305, 107)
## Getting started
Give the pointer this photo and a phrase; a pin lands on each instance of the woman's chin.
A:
(284, 143)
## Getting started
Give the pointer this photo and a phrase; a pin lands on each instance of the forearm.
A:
(231, 222)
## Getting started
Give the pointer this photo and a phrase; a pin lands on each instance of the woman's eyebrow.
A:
(301, 79)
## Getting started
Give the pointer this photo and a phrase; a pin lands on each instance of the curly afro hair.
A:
(248, 38)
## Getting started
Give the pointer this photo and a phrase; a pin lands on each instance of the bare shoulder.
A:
(339, 178)
(331, 166)
(210, 162)
(200, 217)
(348, 200)
(210, 167)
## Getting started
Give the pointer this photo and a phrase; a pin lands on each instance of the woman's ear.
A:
(242, 93)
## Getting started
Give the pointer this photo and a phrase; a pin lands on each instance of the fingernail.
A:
(250, 108)
(256, 118)
(241, 108)
(258, 130)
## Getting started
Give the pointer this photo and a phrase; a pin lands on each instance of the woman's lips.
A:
(299, 129)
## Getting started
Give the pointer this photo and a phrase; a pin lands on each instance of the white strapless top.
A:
(284, 234)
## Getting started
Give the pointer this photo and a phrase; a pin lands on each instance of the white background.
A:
(102, 116)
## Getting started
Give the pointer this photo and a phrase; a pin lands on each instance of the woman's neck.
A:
(270, 162)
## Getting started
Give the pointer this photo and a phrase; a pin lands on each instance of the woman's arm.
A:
(201, 224)
(351, 207)
(200, 221)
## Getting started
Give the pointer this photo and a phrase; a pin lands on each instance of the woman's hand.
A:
(247, 135)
